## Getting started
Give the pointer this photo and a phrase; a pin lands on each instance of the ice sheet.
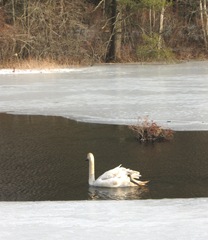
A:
(179, 219)
(174, 95)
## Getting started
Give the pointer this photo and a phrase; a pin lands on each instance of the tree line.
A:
(88, 32)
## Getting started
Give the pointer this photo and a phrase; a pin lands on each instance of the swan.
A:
(116, 177)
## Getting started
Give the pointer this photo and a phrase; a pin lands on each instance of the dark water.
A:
(43, 158)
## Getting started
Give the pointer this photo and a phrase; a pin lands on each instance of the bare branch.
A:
(100, 3)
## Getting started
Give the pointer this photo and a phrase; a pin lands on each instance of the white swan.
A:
(116, 177)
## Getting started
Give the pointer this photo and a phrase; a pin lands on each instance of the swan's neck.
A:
(91, 171)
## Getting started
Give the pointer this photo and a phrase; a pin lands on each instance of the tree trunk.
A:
(111, 12)
(150, 21)
(13, 12)
(161, 26)
(206, 17)
(202, 8)
(114, 44)
(26, 15)
(118, 35)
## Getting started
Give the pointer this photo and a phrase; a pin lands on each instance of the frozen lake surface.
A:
(174, 95)
(179, 219)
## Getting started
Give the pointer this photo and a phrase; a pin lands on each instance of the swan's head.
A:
(90, 157)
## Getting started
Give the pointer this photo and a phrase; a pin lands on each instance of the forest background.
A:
(78, 32)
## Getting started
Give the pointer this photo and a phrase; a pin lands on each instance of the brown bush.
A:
(149, 131)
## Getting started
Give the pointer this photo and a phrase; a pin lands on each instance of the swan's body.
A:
(116, 177)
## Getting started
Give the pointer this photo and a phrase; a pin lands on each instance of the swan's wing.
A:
(120, 172)
(118, 177)
(110, 173)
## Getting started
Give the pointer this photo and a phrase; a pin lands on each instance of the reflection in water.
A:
(43, 158)
(127, 193)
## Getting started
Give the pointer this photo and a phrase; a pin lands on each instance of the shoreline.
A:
(63, 68)
(180, 128)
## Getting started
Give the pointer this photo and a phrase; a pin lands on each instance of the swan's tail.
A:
(134, 176)
(134, 179)
(140, 183)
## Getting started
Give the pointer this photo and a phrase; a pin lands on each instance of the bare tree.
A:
(162, 13)
(204, 20)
